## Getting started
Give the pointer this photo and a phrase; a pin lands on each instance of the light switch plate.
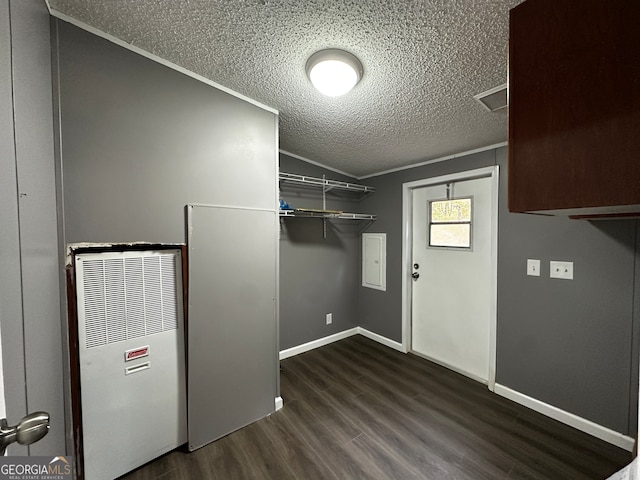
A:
(562, 270)
(533, 267)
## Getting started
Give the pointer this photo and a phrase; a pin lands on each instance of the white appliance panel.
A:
(132, 370)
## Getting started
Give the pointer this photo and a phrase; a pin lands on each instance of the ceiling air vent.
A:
(493, 99)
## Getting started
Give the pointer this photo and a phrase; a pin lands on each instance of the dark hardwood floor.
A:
(356, 409)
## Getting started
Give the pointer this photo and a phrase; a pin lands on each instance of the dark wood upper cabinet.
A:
(574, 107)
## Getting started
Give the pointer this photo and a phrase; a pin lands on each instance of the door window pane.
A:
(450, 223)
(450, 235)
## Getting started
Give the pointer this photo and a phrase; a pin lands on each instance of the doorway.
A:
(449, 271)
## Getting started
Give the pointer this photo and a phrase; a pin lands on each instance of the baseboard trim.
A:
(380, 339)
(321, 342)
(279, 403)
(582, 424)
(305, 347)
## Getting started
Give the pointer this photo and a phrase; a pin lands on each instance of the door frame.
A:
(407, 249)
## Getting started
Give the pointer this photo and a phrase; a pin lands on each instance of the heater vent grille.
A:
(129, 297)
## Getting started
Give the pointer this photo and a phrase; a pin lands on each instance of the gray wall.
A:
(140, 141)
(317, 275)
(571, 344)
(29, 269)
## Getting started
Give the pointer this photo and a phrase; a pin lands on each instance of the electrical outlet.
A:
(562, 270)
(533, 267)
(329, 318)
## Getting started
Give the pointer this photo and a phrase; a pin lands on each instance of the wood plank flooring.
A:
(358, 410)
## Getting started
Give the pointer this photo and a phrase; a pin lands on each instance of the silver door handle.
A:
(29, 430)
(415, 275)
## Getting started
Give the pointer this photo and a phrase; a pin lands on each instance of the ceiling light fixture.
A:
(334, 72)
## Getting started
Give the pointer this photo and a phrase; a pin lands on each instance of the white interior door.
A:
(3, 408)
(451, 304)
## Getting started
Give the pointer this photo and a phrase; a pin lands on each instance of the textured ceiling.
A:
(423, 62)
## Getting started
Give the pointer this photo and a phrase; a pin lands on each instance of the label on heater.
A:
(136, 353)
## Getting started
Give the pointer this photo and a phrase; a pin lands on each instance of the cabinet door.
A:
(232, 332)
(574, 105)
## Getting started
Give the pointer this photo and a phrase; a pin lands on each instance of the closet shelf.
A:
(332, 215)
(326, 186)
(324, 183)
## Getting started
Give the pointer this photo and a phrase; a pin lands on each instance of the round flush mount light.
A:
(334, 72)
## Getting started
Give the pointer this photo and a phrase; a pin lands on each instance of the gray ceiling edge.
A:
(436, 160)
(406, 167)
(317, 164)
(66, 18)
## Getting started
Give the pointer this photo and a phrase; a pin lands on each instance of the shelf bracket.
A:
(324, 206)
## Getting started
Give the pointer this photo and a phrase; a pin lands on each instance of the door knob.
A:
(415, 275)
(30, 429)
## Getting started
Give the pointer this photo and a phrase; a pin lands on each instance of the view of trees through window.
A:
(450, 223)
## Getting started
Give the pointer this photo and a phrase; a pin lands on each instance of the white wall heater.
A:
(131, 352)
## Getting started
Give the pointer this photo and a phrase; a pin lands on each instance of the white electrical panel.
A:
(374, 260)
